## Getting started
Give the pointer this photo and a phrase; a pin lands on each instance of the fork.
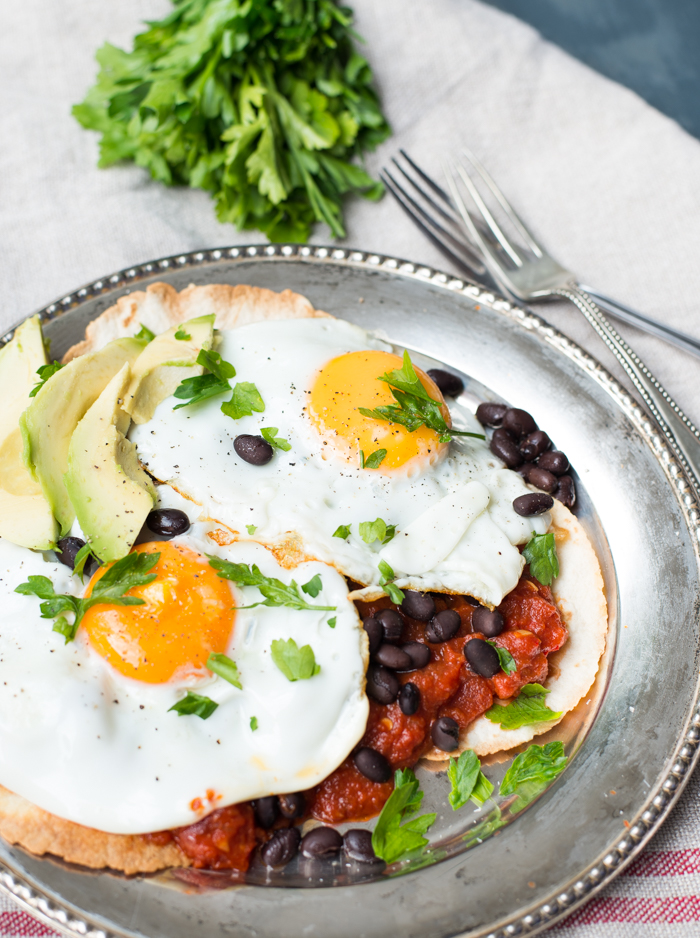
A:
(530, 273)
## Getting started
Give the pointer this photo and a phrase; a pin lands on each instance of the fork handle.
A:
(681, 433)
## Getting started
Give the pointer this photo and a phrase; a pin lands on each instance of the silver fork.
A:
(530, 273)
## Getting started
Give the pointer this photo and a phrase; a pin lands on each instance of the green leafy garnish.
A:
(343, 530)
(297, 664)
(505, 659)
(268, 433)
(374, 460)
(181, 335)
(251, 529)
(276, 592)
(386, 582)
(541, 554)
(253, 723)
(414, 408)
(378, 530)
(122, 576)
(529, 707)
(244, 400)
(467, 780)
(333, 621)
(81, 558)
(313, 587)
(145, 334)
(392, 839)
(263, 105)
(194, 705)
(226, 668)
(532, 771)
(490, 824)
(215, 381)
(45, 372)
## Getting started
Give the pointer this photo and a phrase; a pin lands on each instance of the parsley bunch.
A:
(262, 103)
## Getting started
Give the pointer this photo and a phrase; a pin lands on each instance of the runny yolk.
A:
(187, 614)
(351, 381)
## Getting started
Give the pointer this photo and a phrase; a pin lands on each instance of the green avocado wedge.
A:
(48, 423)
(111, 493)
(25, 514)
(164, 363)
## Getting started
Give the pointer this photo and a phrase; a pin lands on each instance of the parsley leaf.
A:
(378, 530)
(45, 372)
(386, 583)
(123, 575)
(414, 408)
(467, 780)
(313, 587)
(201, 387)
(343, 530)
(145, 333)
(268, 433)
(333, 621)
(541, 554)
(181, 335)
(532, 771)
(527, 708)
(251, 529)
(505, 659)
(224, 667)
(276, 592)
(194, 705)
(374, 460)
(297, 664)
(244, 400)
(81, 558)
(392, 840)
(253, 723)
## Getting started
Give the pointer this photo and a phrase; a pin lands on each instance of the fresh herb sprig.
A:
(194, 705)
(415, 407)
(276, 592)
(541, 554)
(505, 659)
(125, 574)
(45, 372)
(264, 105)
(245, 397)
(379, 530)
(467, 780)
(528, 707)
(386, 581)
(225, 667)
(532, 771)
(278, 442)
(397, 832)
(297, 664)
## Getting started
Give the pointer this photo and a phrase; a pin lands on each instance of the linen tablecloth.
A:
(606, 181)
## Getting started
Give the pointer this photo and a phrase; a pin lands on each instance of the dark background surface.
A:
(652, 46)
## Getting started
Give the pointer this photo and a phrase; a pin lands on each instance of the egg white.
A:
(86, 743)
(309, 491)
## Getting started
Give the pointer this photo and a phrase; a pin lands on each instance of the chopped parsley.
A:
(45, 372)
(181, 335)
(268, 433)
(253, 723)
(541, 554)
(332, 621)
(215, 381)
(145, 334)
(244, 400)
(505, 659)
(374, 460)
(313, 587)
(343, 531)
(378, 530)
(397, 832)
(386, 582)
(297, 664)
(276, 592)
(251, 529)
(467, 780)
(194, 705)
(225, 668)
(532, 771)
(529, 707)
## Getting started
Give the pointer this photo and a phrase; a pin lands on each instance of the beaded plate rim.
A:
(655, 810)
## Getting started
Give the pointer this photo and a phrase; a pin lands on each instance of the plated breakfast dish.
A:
(280, 565)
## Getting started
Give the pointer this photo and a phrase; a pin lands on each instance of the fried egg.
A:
(88, 732)
(449, 503)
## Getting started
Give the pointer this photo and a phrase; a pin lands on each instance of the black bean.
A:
(449, 385)
(372, 764)
(518, 422)
(534, 503)
(391, 656)
(409, 699)
(490, 415)
(482, 657)
(534, 445)
(168, 522)
(266, 811)
(542, 479)
(392, 623)
(68, 548)
(292, 806)
(500, 434)
(321, 842)
(445, 733)
(566, 491)
(253, 449)
(375, 633)
(554, 461)
(382, 685)
(418, 653)
(506, 449)
(489, 622)
(357, 844)
(281, 847)
(443, 626)
(418, 606)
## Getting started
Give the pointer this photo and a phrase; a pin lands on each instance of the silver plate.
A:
(635, 744)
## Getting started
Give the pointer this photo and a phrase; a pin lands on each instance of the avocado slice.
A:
(48, 423)
(110, 492)
(164, 363)
(25, 515)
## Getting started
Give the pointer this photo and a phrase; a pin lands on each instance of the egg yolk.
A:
(187, 614)
(351, 381)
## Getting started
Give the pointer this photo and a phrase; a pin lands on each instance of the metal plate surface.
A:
(636, 741)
